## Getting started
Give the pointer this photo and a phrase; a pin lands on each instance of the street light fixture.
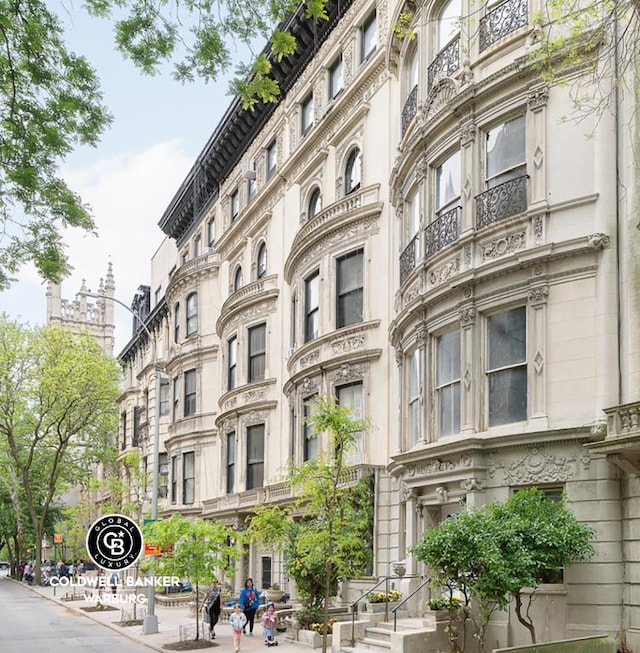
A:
(150, 622)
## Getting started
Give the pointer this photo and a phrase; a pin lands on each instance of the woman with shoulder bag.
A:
(250, 602)
(211, 606)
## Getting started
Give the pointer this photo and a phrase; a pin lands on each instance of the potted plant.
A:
(378, 601)
(442, 608)
(274, 593)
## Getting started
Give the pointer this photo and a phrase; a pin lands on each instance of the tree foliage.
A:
(200, 550)
(491, 554)
(325, 535)
(50, 102)
(57, 417)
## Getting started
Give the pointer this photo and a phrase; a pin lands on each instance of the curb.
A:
(88, 615)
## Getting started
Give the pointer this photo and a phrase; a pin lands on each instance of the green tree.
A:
(57, 417)
(325, 535)
(199, 550)
(493, 553)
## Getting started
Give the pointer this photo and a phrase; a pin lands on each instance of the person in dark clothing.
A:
(250, 602)
(212, 607)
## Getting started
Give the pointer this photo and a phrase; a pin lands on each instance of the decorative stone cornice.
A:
(467, 316)
(598, 241)
(537, 98)
(252, 299)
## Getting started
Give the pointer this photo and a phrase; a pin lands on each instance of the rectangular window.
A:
(306, 114)
(310, 441)
(266, 572)
(176, 398)
(185, 257)
(311, 306)
(506, 152)
(257, 352)
(232, 353)
(137, 420)
(164, 399)
(251, 189)
(158, 294)
(368, 37)
(507, 368)
(294, 317)
(271, 159)
(231, 462)
(448, 383)
(192, 314)
(211, 232)
(255, 456)
(350, 396)
(350, 290)
(189, 393)
(234, 205)
(188, 477)
(176, 323)
(197, 246)
(448, 184)
(163, 475)
(124, 430)
(335, 78)
(174, 479)
(414, 398)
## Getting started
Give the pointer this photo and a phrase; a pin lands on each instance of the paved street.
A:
(32, 623)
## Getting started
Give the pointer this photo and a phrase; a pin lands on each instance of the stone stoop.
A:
(380, 637)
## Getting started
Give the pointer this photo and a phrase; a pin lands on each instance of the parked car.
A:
(4, 564)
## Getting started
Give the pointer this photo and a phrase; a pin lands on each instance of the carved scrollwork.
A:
(536, 466)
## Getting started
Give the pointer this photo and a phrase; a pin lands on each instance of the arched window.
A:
(315, 203)
(353, 172)
(412, 71)
(192, 314)
(176, 323)
(261, 263)
(237, 280)
(448, 22)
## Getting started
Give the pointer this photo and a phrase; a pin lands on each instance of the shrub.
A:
(444, 603)
(382, 597)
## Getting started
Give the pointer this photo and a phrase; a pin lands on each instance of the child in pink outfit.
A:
(269, 620)
(238, 621)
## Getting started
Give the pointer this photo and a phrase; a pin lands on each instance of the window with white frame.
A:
(350, 396)
(189, 393)
(257, 352)
(188, 477)
(448, 184)
(448, 22)
(164, 399)
(174, 479)
(349, 288)
(413, 397)
(507, 366)
(232, 354)
(335, 77)
(448, 383)
(237, 279)
(211, 232)
(353, 172)
(506, 152)
(176, 323)
(176, 398)
(309, 438)
(231, 462)
(311, 306)
(306, 114)
(197, 246)
(251, 189)
(192, 314)
(255, 456)
(413, 71)
(261, 261)
(271, 159)
(315, 203)
(234, 205)
(368, 35)
(412, 223)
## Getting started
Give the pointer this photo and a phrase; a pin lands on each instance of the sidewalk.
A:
(169, 622)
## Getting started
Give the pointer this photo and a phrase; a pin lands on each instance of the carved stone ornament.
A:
(468, 133)
(398, 355)
(422, 335)
(536, 466)
(254, 417)
(441, 274)
(473, 484)
(505, 245)
(422, 168)
(406, 493)
(255, 395)
(538, 295)
(352, 343)
(467, 316)
(348, 373)
(438, 465)
(310, 358)
(537, 98)
(598, 240)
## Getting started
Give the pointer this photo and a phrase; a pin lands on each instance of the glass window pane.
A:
(369, 32)
(350, 272)
(449, 413)
(414, 374)
(507, 338)
(448, 22)
(255, 456)
(448, 358)
(448, 181)
(315, 203)
(506, 147)
(353, 172)
(508, 396)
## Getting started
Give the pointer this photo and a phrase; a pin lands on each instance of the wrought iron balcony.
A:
(442, 232)
(409, 258)
(445, 64)
(502, 201)
(503, 19)
(410, 109)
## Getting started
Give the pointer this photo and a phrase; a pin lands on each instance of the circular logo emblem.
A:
(114, 542)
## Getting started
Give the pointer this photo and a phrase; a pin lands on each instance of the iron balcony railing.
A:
(445, 64)
(409, 258)
(503, 19)
(410, 109)
(442, 232)
(502, 201)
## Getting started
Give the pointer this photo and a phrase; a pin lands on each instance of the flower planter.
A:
(275, 596)
(380, 607)
(311, 638)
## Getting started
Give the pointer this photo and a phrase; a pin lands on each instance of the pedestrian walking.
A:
(269, 619)
(250, 602)
(211, 606)
(238, 621)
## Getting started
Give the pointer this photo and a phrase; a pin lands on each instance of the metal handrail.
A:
(415, 591)
(354, 605)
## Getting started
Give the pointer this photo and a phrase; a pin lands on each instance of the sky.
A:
(159, 128)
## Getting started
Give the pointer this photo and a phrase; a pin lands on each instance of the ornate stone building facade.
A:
(415, 229)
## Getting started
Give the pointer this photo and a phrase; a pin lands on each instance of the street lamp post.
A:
(150, 622)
